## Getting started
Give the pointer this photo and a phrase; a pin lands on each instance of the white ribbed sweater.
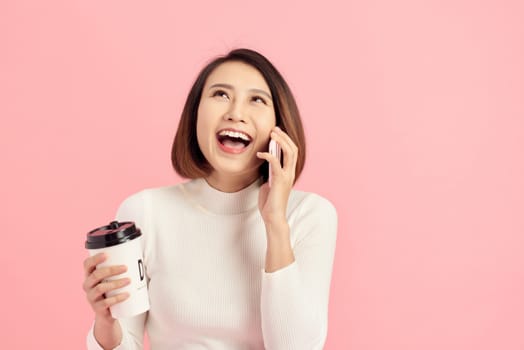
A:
(204, 253)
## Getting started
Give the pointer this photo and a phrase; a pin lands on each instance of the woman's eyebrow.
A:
(230, 87)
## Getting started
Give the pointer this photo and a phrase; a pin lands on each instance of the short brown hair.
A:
(186, 156)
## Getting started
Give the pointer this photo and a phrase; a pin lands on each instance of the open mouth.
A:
(233, 140)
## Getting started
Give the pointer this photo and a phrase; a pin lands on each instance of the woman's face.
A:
(234, 121)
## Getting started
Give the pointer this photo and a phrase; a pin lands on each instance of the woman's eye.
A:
(220, 93)
(259, 99)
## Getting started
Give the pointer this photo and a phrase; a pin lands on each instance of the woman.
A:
(231, 262)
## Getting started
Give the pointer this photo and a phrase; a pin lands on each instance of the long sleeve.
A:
(203, 254)
(294, 299)
(132, 334)
(134, 208)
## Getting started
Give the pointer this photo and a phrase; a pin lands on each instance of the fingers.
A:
(91, 262)
(101, 274)
(289, 149)
(275, 163)
(103, 304)
(97, 286)
(98, 291)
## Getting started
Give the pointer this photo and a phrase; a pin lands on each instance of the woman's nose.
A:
(235, 113)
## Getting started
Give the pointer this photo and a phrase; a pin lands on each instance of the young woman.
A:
(231, 262)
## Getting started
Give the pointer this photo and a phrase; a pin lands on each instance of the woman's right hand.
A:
(96, 285)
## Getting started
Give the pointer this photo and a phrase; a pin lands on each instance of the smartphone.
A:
(274, 149)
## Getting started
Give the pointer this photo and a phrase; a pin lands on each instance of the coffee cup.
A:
(121, 242)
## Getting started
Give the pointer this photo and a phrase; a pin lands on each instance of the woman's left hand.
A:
(272, 201)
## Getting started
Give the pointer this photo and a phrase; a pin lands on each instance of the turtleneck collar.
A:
(222, 203)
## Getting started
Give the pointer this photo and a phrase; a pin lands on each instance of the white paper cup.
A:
(121, 241)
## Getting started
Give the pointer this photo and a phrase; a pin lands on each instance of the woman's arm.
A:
(107, 333)
(273, 202)
(296, 280)
(279, 253)
(131, 334)
(107, 329)
(126, 333)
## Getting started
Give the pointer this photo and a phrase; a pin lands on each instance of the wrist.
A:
(279, 252)
(107, 332)
(105, 321)
(277, 229)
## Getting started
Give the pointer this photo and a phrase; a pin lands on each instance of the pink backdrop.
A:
(414, 114)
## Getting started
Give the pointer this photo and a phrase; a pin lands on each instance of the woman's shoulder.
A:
(154, 194)
(140, 205)
(310, 201)
(312, 216)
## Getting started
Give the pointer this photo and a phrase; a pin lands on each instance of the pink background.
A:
(414, 114)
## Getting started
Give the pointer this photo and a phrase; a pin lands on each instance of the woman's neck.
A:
(230, 183)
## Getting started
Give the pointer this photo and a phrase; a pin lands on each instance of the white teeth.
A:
(235, 134)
